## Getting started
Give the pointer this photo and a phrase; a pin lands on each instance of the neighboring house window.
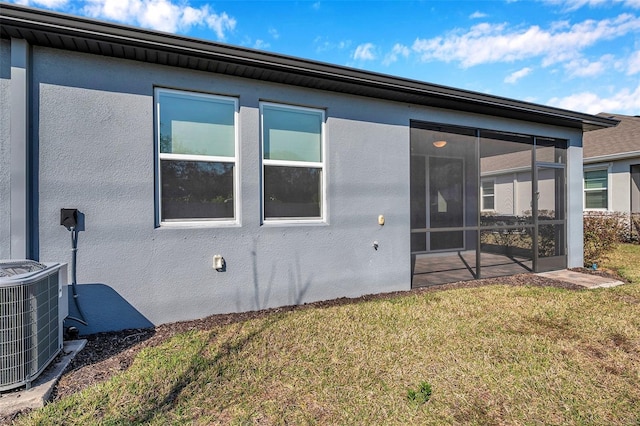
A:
(596, 186)
(293, 163)
(488, 195)
(197, 156)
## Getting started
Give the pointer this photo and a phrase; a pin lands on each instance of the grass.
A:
(491, 355)
(625, 260)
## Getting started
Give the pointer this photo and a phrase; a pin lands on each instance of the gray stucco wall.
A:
(575, 242)
(5, 153)
(96, 142)
(620, 182)
(97, 155)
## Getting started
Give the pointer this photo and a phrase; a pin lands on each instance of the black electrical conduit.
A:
(74, 254)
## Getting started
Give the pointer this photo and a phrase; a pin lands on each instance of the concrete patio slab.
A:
(40, 391)
(582, 279)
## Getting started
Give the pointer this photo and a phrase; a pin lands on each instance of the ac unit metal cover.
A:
(30, 319)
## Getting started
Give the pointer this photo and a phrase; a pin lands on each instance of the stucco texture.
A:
(96, 142)
(5, 152)
(621, 184)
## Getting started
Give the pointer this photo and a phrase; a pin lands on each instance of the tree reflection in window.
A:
(197, 189)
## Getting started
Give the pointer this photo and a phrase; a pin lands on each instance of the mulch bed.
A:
(107, 354)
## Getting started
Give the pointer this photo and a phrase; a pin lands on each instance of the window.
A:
(196, 156)
(596, 185)
(293, 163)
(488, 195)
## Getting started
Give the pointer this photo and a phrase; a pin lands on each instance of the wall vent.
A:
(32, 308)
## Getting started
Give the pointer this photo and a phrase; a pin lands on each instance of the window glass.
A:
(196, 150)
(596, 179)
(196, 189)
(595, 200)
(488, 194)
(196, 125)
(292, 134)
(292, 192)
(596, 189)
(293, 163)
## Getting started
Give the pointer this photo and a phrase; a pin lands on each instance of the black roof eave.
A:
(68, 32)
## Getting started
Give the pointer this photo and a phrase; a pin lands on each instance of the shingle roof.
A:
(614, 142)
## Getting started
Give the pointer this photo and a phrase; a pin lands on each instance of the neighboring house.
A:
(312, 181)
(612, 166)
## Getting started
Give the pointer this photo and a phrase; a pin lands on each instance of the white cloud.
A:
(517, 75)
(365, 52)
(118, 10)
(634, 63)
(490, 43)
(274, 33)
(220, 24)
(582, 67)
(626, 101)
(478, 15)
(571, 5)
(576, 4)
(260, 44)
(324, 45)
(50, 4)
(163, 15)
(398, 50)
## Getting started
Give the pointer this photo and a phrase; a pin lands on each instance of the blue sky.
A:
(582, 55)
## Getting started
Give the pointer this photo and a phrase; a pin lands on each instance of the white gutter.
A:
(612, 157)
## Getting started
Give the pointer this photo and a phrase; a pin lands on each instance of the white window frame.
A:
(482, 195)
(195, 222)
(593, 168)
(322, 165)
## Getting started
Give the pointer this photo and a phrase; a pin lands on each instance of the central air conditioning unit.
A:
(33, 305)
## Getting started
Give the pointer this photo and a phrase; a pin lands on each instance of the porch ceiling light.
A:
(439, 144)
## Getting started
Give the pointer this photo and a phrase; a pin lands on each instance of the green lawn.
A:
(625, 260)
(492, 355)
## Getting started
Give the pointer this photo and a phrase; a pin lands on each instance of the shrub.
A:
(602, 231)
(635, 228)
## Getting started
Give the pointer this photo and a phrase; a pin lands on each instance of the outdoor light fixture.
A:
(439, 144)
